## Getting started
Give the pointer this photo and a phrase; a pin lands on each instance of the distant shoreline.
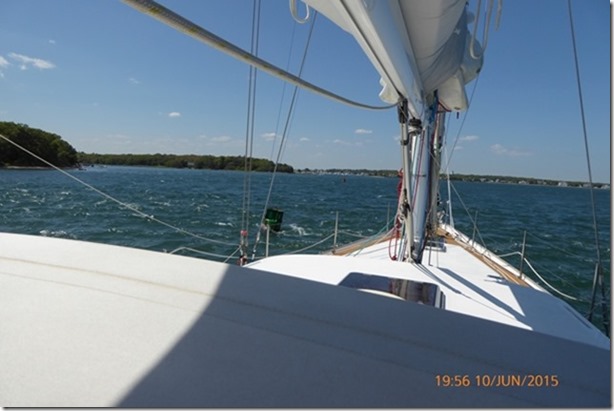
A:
(380, 173)
(464, 177)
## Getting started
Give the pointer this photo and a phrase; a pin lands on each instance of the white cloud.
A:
(174, 114)
(220, 139)
(269, 136)
(304, 139)
(135, 81)
(348, 143)
(25, 62)
(469, 138)
(500, 150)
(362, 131)
(51, 41)
(3, 64)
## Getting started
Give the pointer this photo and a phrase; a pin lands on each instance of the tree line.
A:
(60, 153)
(208, 162)
(46, 145)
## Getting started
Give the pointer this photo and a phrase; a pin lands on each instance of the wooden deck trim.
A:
(502, 271)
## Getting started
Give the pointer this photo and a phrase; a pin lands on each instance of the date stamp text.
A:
(497, 380)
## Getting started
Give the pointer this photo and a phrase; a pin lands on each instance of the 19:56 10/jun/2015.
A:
(497, 380)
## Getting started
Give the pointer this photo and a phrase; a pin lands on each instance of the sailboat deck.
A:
(88, 324)
(470, 286)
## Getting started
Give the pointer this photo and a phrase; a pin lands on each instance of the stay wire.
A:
(599, 271)
(283, 95)
(460, 129)
(249, 131)
(285, 131)
(584, 133)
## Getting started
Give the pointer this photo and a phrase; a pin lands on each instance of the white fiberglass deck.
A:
(470, 287)
(93, 325)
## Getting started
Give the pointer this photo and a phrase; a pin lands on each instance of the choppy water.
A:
(558, 221)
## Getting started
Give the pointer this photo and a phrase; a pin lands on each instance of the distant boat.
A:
(420, 316)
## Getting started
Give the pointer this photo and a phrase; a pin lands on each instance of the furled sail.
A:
(416, 46)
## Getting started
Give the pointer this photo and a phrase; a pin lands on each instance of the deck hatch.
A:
(414, 291)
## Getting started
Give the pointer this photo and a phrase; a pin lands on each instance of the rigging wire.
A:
(471, 50)
(599, 271)
(550, 245)
(249, 132)
(283, 94)
(525, 260)
(285, 131)
(449, 159)
(113, 199)
(567, 283)
(473, 222)
(184, 25)
(451, 152)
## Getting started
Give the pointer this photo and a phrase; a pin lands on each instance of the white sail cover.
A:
(417, 46)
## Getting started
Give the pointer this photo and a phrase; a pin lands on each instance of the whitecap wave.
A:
(298, 229)
(223, 224)
(57, 234)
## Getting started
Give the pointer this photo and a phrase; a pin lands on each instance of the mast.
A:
(420, 187)
(404, 212)
(421, 148)
(435, 171)
(424, 181)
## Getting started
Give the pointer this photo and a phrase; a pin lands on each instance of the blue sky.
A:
(111, 80)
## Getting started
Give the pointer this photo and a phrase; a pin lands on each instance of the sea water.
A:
(202, 213)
